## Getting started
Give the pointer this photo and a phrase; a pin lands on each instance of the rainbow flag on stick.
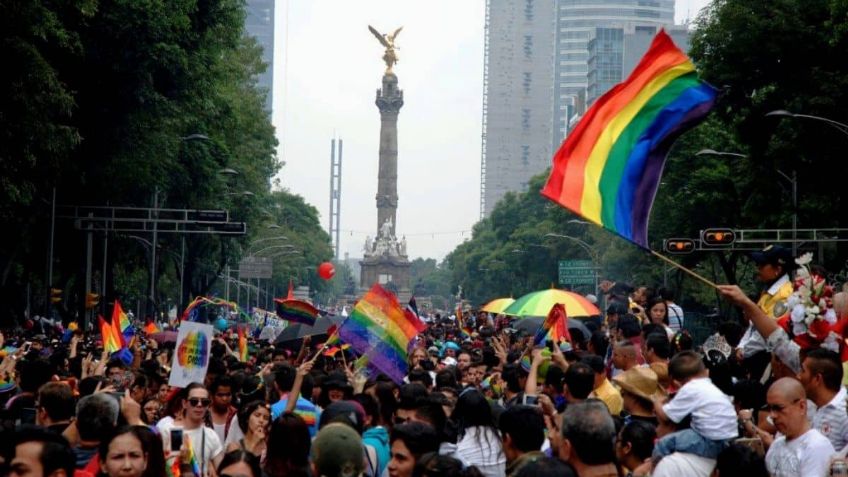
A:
(464, 330)
(297, 311)
(609, 167)
(195, 466)
(111, 335)
(120, 318)
(554, 328)
(379, 328)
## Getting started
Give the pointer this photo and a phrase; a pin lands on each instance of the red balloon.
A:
(326, 270)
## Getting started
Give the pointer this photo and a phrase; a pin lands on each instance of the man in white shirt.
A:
(821, 376)
(800, 450)
(204, 441)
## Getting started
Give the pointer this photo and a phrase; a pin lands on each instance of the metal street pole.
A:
(89, 250)
(52, 235)
(153, 255)
(182, 270)
(227, 283)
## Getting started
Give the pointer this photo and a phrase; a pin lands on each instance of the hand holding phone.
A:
(176, 439)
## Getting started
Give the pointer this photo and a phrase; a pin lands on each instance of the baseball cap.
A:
(774, 255)
(345, 412)
(337, 451)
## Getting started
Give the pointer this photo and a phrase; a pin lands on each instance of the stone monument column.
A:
(389, 101)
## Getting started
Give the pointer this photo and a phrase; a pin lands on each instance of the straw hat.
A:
(639, 381)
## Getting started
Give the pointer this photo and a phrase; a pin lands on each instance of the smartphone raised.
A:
(530, 400)
(176, 439)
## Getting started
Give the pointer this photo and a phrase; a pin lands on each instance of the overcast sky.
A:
(327, 69)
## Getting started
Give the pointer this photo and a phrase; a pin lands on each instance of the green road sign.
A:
(576, 272)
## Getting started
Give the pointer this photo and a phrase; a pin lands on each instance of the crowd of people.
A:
(634, 397)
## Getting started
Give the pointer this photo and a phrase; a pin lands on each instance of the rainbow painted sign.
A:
(191, 358)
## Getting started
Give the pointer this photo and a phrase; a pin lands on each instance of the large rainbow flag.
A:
(379, 328)
(609, 167)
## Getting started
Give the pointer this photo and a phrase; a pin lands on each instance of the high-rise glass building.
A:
(259, 23)
(577, 22)
(517, 96)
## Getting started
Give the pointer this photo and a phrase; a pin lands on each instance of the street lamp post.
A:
(782, 113)
(793, 181)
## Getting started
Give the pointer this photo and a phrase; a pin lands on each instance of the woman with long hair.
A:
(253, 419)
(658, 315)
(479, 442)
(287, 452)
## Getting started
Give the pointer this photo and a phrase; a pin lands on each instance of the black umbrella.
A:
(530, 325)
(297, 331)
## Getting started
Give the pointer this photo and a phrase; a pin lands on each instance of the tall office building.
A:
(615, 52)
(517, 96)
(576, 22)
(259, 23)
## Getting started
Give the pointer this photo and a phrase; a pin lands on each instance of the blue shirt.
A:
(303, 408)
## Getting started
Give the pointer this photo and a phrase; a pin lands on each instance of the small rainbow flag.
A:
(608, 168)
(380, 328)
(242, 344)
(195, 466)
(151, 328)
(554, 328)
(297, 311)
(464, 330)
(113, 341)
(118, 316)
(334, 350)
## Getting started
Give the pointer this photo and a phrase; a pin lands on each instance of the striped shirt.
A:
(303, 408)
(832, 420)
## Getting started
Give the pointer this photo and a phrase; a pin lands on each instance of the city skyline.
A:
(324, 88)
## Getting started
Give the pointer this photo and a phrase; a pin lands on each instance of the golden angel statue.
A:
(390, 57)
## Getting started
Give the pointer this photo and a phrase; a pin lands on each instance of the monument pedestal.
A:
(390, 272)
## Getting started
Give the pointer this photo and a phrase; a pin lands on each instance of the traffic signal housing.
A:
(91, 300)
(679, 246)
(55, 295)
(718, 237)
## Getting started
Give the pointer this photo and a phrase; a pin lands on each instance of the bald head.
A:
(624, 355)
(788, 389)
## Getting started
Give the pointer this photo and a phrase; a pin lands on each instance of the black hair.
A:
(595, 362)
(628, 324)
(385, 392)
(511, 374)
(239, 455)
(284, 377)
(418, 437)
(221, 381)
(653, 303)
(430, 409)
(555, 378)
(828, 364)
(432, 464)
(287, 451)
(370, 406)
(33, 373)
(245, 412)
(749, 394)
(737, 460)
(525, 426)
(56, 453)
(732, 332)
(599, 342)
(580, 380)
(666, 293)
(57, 399)
(650, 328)
(641, 436)
(685, 365)
(446, 378)
(658, 342)
(409, 395)
(421, 376)
(546, 467)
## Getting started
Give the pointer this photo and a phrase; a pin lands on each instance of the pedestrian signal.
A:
(718, 237)
(55, 295)
(679, 246)
(91, 300)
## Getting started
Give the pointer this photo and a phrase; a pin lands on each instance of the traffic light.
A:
(91, 300)
(679, 246)
(718, 237)
(55, 295)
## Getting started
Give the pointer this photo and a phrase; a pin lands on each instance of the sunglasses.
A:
(778, 408)
(199, 402)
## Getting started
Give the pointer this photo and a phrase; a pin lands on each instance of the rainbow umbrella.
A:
(539, 303)
(498, 305)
